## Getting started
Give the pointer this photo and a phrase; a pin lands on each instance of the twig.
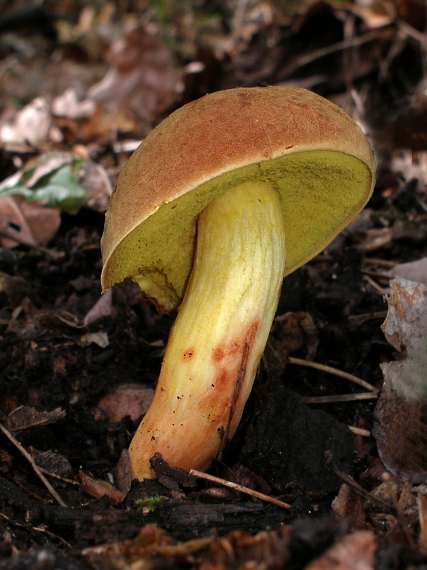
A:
(357, 320)
(376, 275)
(339, 46)
(239, 488)
(356, 487)
(380, 262)
(338, 398)
(374, 284)
(33, 465)
(36, 529)
(334, 371)
(360, 431)
(59, 478)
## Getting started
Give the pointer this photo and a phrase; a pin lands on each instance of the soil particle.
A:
(288, 444)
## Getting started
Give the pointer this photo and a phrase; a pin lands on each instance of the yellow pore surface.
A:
(319, 191)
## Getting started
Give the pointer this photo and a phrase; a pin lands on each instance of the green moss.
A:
(148, 504)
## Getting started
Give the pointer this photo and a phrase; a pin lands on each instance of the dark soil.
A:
(330, 312)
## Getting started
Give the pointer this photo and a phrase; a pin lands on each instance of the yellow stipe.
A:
(220, 332)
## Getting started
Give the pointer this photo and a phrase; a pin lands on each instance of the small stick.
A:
(334, 371)
(338, 398)
(33, 464)
(383, 262)
(360, 431)
(358, 488)
(374, 284)
(36, 529)
(240, 488)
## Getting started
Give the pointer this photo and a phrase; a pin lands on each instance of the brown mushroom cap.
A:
(305, 146)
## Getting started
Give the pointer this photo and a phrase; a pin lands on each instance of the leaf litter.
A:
(89, 99)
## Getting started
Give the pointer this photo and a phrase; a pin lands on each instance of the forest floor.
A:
(81, 85)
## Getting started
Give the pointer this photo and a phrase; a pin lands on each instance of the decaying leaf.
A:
(406, 328)
(49, 179)
(99, 338)
(61, 180)
(140, 78)
(131, 400)
(353, 552)
(71, 106)
(14, 227)
(401, 431)
(102, 308)
(98, 488)
(25, 417)
(348, 506)
(412, 271)
(30, 126)
(26, 222)
(52, 463)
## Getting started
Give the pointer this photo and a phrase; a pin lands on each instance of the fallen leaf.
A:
(49, 179)
(62, 180)
(71, 106)
(13, 224)
(43, 222)
(99, 338)
(140, 77)
(400, 429)
(355, 551)
(401, 436)
(131, 400)
(406, 328)
(413, 271)
(52, 463)
(102, 308)
(98, 488)
(30, 126)
(348, 507)
(14, 288)
(6, 461)
(26, 417)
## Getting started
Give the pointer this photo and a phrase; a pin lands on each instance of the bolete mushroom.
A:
(224, 198)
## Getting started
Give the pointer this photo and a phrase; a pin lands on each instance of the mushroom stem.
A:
(220, 332)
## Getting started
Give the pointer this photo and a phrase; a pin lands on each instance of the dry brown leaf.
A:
(131, 400)
(25, 417)
(13, 224)
(94, 179)
(71, 106)
(413, 271)
(52, 463)
(140, 78)
(99, 338)
(102, 308)
(43, 222)
(400, 431)
(31, 125)
(406, 328)
(349, 506)
(401, 436)
(98, 488)
(355, 551)
(29, 222)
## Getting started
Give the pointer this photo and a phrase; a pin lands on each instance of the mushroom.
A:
(224, 198)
